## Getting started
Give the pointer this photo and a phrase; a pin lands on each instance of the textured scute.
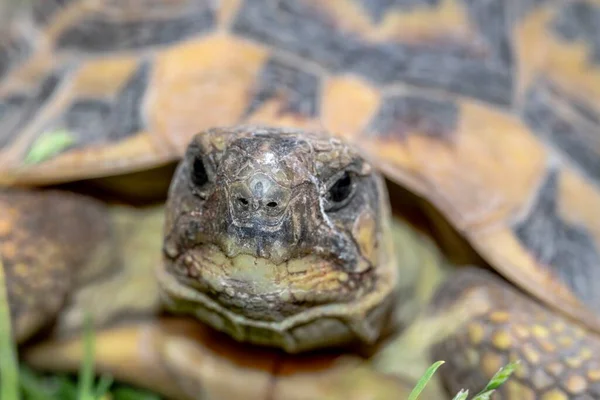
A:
(571, 44)
(86, 118)
(585, 110)
(127, 117)
(295, 46)
(45, 11)
(494, 21)
(377, 9)
(568, 250)
(460, 67)
(89, 120)
(400, 116)
(558, 56)
(140, 27)
(94, 121)
(19, 109)
(11, 112)
(579, 21)
(298, 89)
(12, 51)
(565, 124)
(557, 49)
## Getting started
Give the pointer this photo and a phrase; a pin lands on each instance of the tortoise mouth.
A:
(259, 289)
(273, 318)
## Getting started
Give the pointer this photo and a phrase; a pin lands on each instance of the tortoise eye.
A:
(341, 189)
(340, 192)
(199, 174)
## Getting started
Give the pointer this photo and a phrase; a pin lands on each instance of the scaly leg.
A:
(50, 242)
(66, 256)
(494, 323)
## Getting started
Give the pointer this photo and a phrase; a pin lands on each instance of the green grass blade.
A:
(65, 388)
(498, 379)
(125, 393)
(33, 388)
(424, 380)
(103, 386)
(86, 372)
(9, 367)
(48, 145)
(462, 395)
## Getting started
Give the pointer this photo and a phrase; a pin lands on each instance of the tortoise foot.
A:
(558, 359)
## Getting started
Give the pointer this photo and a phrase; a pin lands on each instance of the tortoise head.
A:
(279, 237)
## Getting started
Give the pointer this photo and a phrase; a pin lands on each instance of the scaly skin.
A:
(51, 244)
(257, 245)
(559, 358)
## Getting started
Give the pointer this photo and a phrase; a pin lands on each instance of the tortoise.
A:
(428, 169)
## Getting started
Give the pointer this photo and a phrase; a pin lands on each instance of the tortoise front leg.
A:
(496, 324)
(50, 242)
(67, 255)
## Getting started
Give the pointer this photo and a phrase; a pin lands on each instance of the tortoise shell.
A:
(487, 109)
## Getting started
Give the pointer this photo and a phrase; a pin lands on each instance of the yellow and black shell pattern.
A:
(489, 109)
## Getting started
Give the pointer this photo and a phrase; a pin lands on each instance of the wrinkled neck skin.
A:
(279, 238)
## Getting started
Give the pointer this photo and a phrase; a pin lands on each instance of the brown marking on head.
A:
(281, 230)
(364, 230)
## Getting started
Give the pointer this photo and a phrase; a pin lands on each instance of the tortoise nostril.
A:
(243, 201)
(272, 204)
